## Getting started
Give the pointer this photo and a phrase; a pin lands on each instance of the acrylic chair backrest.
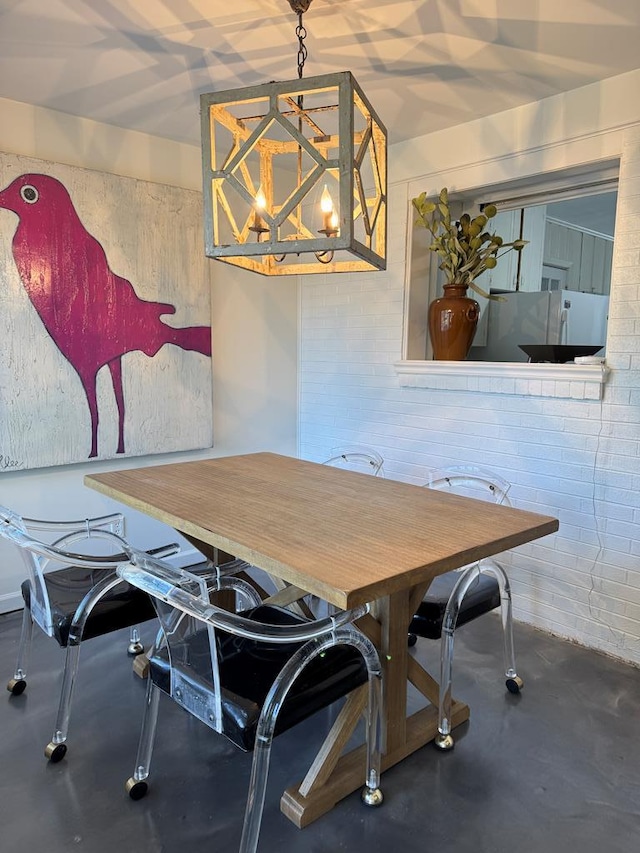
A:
(195, 676)
(183, 607)
(470, 481)
(41, 557)
(362, 459)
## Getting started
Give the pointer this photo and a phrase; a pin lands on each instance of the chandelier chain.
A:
(301, 32)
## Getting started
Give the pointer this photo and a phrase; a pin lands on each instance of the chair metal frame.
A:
(174, 587)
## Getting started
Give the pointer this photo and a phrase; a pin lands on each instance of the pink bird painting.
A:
(93, 315)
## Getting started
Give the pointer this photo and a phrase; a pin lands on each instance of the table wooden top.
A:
(346, 537)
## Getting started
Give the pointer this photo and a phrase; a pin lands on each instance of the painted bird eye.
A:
(29, 194)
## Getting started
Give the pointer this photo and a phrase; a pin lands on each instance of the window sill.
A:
(569, 381)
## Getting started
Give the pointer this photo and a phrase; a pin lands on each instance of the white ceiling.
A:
(424, 64)
(595, 213)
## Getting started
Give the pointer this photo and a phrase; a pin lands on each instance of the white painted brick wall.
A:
(577, 459)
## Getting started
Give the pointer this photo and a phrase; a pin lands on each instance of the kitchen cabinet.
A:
(503, 277)
(586, 257)
(507, 225)
(595, 264)
(533, 231)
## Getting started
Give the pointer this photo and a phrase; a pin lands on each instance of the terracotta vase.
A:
(453, 319)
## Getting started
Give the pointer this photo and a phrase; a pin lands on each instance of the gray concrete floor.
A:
(555, 769)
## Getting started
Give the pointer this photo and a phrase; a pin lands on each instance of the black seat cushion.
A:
(481, 597)
(123, 606)
(248, 669)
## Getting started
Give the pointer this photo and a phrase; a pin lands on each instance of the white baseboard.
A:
(11, 601)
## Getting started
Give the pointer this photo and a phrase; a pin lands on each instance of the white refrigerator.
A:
(555, 317)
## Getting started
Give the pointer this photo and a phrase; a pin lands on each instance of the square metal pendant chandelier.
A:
(295, 174)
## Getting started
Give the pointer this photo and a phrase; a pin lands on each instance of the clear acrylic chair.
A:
(363, 459)
(249, 676)
(56, 595)
(458, 597)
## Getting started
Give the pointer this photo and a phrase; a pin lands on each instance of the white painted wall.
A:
(254, 324)
(578, 460)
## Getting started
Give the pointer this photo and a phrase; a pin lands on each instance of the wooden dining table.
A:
(349, 539)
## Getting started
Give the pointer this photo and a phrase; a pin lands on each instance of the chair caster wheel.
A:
(443, 742)
(55, 752)
(16, 686)
(412, 639)
(135, 649)
(372, 796)
(515, 684)
(136, 789)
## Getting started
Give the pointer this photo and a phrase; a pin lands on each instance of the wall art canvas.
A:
(105, 317)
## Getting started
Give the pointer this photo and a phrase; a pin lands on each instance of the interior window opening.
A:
(551, 301)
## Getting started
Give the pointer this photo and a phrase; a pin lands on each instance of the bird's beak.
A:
(5, 203)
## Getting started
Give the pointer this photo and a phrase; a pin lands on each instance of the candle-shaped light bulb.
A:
(326, 206)
(334, 222)
(260, 202)
(259, 206)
